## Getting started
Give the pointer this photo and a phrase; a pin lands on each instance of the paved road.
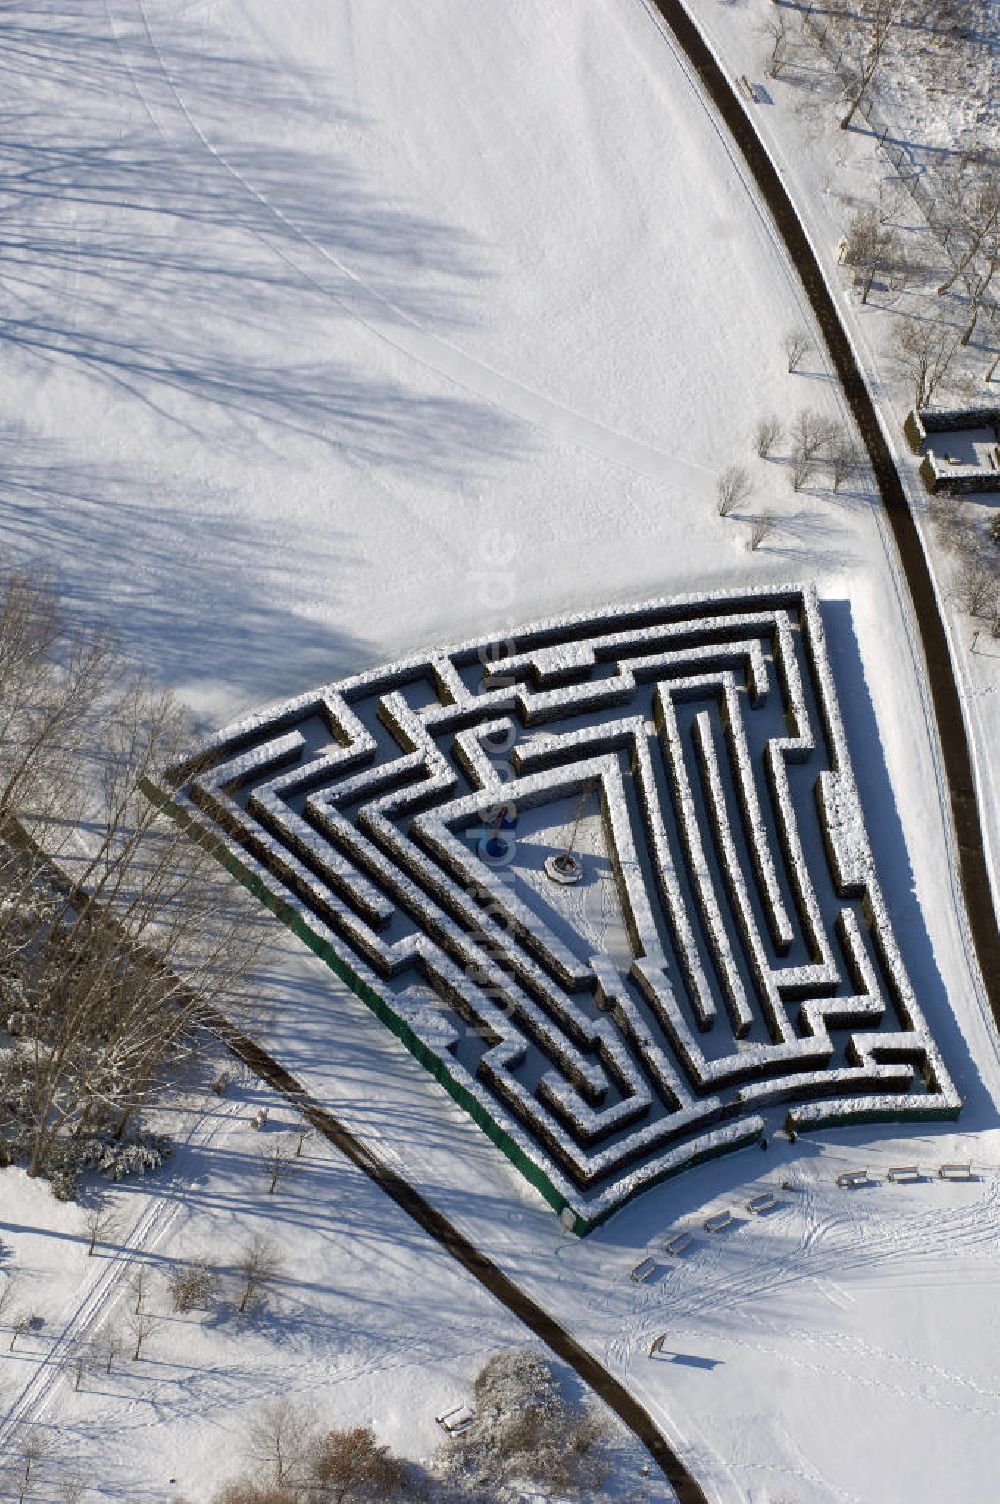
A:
(972, 862)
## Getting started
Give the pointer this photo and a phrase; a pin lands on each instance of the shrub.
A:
(192, 1287)
(525, 1430)
(350, 1465)
(769, 431)
(732, 487)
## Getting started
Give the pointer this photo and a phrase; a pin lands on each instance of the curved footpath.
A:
(973, 867)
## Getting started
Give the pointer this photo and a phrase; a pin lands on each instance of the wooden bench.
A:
(956, 1172)
(457, 1420)
(719, 1221)
(643, 1270)
(676, 1245)
(764, 1201)
(749, 89)
(851, 1179)
(903, 1174)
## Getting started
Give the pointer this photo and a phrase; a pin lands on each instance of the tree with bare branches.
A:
(978, 586)
(259, 1264)
(797, 344)
(922, 352)
(276, 1159)
(118, 932)
(876, 19)
(871, 248)
(775, 29)
(732, 487)
(141, 1326)
(844, 457)
(279, 1439)
(761, 528)
(769, 431)
(99, 1223)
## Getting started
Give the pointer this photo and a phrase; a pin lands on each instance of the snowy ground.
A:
(334, 333)
(368, 1322)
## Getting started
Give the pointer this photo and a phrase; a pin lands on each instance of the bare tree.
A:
(260, 1265)
(81, 1359)
(871, 248)
(34, 1448)
(732, 487)
(305, 1133)
(141, 1325)
(761, 528)
(276, 1160)
(117, 965)
(769, 431)
(797, 343)
(99, 1222)
(876, 18)
(922, 352)
(113, 1343)
(279, 1439)
(803, 468)
(811, 434)
(953, 524)
(138, 1284)
(20, 1325)
(979, 286)
(978, 587)
(975, 206)
(845, 457)
(775, 29)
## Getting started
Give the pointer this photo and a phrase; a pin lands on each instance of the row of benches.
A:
(904, 1174)
(675, 1245)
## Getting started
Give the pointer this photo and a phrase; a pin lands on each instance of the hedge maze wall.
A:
(399, 821)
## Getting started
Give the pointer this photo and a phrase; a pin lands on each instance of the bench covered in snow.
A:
(456, 1420)
(719, 1221)
(676, 1245)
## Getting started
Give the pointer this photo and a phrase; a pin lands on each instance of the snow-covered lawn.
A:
(367, 1321)
(333, 331)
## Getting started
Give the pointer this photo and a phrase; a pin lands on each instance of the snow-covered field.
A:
(368, 1322)
(337, 330)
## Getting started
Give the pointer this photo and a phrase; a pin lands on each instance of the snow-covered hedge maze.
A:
(727, 957)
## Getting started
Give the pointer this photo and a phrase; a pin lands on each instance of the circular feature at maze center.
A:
(406, 821)
(564, 868)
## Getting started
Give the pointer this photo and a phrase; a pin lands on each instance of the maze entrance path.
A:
(727, 952)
